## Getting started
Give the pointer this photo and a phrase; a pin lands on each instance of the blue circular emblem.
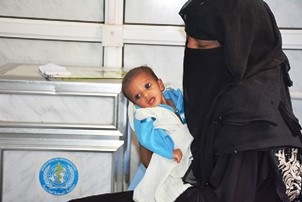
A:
(58, 176)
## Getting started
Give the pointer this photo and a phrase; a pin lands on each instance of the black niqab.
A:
(250, 37)
(235, 101)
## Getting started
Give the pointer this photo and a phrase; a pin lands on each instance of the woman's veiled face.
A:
(201, 44)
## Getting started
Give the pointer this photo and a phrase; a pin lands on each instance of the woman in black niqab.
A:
(237, 104)
(247, 140)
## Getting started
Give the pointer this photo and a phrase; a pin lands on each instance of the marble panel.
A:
(297, 107)
(153, 11)
(166, 61)
(288, 13)
(21, 175)
(74, 10)
(57, 109)
(294, 57)
(57, 52)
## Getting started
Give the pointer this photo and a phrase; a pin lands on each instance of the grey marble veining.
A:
(153, 11)
(92, 10)
(57, 52)
(57, 109)
(297, 107)
(295, 72)
(288, 13)
(21, 175)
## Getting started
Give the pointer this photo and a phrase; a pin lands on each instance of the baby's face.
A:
(145, 91)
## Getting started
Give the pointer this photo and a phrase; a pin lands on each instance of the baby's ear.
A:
(161, 84)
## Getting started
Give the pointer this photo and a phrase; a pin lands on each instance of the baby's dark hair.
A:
(132, 73)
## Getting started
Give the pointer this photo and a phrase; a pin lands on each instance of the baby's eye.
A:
(148, 85)
(137, 96)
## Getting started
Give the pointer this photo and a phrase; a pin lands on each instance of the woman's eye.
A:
(148, 85)
(137, 96)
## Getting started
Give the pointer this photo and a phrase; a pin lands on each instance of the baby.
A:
(159, 123)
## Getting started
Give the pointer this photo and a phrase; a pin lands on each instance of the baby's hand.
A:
(177, 155)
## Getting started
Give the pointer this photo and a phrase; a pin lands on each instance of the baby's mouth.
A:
(151, 100)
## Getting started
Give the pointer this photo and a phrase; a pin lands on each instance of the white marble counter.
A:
(83, 121)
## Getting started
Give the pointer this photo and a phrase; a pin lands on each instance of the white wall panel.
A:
(294, 57)
(288, 13)
(74, 10)
(42, 52)
(166, 61)
(153, 11)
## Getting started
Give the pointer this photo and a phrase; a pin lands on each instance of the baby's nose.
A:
(145, 94)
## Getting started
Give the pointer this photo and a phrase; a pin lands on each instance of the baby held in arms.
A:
(157, 117)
